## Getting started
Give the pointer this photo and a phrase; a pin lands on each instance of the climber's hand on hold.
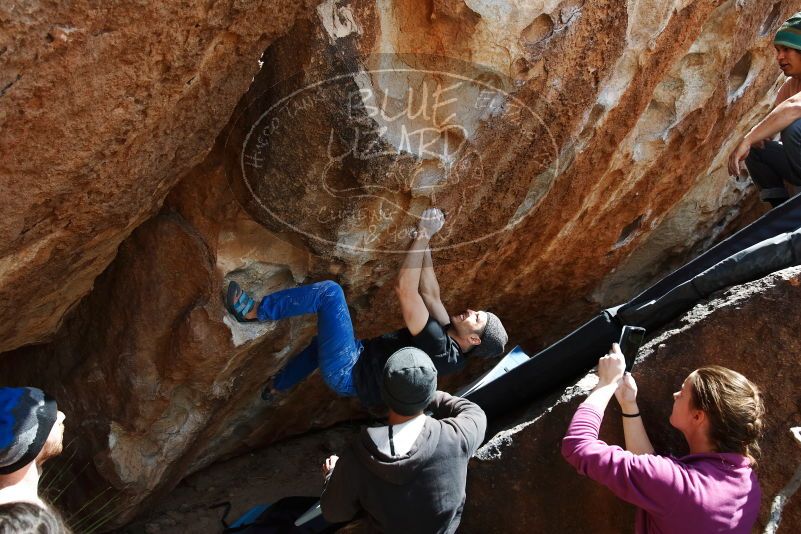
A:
(431, 222)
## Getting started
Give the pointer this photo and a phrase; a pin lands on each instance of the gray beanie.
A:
(493, 340)
(26, 417)
(410, 381)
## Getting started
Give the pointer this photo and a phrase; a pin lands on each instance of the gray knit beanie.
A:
(26, 417)
(493, 340)
(410, 381)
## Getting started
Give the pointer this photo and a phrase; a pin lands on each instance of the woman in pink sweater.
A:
(714, 488)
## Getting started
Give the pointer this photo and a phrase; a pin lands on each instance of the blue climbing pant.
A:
(334, 350)
(776, 163)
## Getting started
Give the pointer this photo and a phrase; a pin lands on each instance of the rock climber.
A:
(772, 163)
(408, 475)
(714, 488)
(353, 367)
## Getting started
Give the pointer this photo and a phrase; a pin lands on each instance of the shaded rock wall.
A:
(594, 164)
(520, 483)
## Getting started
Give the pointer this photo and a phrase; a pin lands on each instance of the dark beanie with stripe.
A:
(26, 417)
(790, 33)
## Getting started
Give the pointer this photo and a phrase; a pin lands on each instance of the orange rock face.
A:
(103, 110)
(578, 148)
(520, 473)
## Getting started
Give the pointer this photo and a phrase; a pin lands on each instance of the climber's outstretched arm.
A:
(429, 290)
(415, 312)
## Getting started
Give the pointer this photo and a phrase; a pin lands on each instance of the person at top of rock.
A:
(408, 475)
(714, 488)
(772, 163)
(31, 432)
(353, 367)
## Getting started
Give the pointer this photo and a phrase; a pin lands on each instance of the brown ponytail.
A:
(734, 407)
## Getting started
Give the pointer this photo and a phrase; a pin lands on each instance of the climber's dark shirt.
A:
(432, 339)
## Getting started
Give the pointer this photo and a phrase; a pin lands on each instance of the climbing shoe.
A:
(238, 303)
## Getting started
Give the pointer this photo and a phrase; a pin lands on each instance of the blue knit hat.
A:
(790, 33)
(26, 417)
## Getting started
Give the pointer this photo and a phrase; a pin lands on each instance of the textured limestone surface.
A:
(751, 328)
(104, 106)
(577, 147)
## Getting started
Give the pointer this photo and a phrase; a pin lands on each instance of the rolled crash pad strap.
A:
(784, 218)
(770, 255)
(759, 260)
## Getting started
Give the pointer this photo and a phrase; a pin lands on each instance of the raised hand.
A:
(431, 221)
(611, 367)
(626, 392)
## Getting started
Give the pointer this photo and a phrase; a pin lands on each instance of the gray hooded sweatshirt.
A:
(420, 491)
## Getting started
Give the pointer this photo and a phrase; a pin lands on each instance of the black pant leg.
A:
(768, 166)
(791, 141)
